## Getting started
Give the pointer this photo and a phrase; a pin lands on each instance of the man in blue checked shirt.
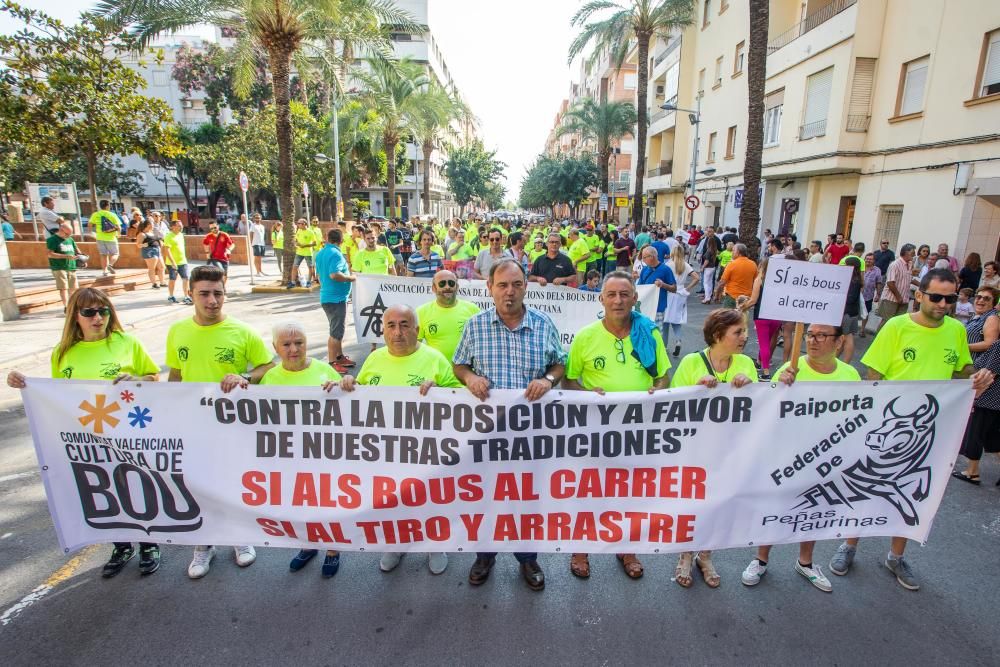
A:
(509, 346)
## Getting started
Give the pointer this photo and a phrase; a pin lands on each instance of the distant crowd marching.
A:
(926, 301)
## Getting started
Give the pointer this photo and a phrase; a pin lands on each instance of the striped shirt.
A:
(900, 274)
(422, 267)
(510, 359)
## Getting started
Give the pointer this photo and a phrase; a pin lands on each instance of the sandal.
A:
(704, 562)
(579, 565)
(682, 573)
(633, 568)
(971, 479)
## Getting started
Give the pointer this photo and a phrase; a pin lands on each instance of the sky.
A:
(508, 59)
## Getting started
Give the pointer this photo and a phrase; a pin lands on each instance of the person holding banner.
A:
(924, 345)
(297, 369)
(509, 346)
(94, 346)
(405, 362)
(213, 347)
(374, 259)
(425, 262)
(622, 352)
(554, 267)
(442, 320)
(722, 361)
(820, 364)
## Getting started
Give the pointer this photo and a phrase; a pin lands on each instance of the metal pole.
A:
(694, 153)
(246, 211)
(336, 150)
(166, 192)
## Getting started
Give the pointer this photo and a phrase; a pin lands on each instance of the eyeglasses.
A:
(620, 348)
(494, 238)
(447, 283)
(819, 337)
(103, 311)
(983, 297)
(948, 298)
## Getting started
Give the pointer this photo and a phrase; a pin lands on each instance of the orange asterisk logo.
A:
(99, 414)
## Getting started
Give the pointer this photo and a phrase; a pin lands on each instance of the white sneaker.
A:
(437, 562)
(753, 573)
(389, 561)
(814, 575)
(245, 556)
(201, 562)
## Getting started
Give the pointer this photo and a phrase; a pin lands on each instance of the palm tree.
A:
(639, 20)
(756, 78)
(603, 122)
(391, 90)
(434, 111)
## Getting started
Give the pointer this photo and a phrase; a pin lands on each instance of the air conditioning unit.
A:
(659, 90)
(187, 104)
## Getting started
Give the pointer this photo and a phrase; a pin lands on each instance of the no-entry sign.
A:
(244, 181)
(691, 202)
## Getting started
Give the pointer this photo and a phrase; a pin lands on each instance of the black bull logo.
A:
(895, 469)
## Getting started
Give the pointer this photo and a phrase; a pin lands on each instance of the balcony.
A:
(810, 22)
(671, 47)
(666, 167)
(811, 130)
(857, 123)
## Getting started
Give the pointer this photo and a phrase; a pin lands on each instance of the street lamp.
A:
(169, 172)
(694, 117)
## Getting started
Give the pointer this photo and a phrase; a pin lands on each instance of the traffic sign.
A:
(603, 205)
(621, 202)
(691, 202)
(244, 181)
(305, 189)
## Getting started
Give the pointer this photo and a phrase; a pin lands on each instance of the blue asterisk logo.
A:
(139, 417)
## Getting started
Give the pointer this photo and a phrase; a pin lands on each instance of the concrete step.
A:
(38, 299)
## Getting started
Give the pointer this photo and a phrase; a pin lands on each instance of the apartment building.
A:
(879, 121)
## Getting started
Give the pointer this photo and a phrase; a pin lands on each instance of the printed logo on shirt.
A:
(182, 353)
(950, 356)
(225, 355)
(414, 380)
(599, 363)
(110, 371)
(432, 329)
(67, 372)
(374, 380)
(909, 354)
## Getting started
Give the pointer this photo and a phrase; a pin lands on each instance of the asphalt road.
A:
(56, 609)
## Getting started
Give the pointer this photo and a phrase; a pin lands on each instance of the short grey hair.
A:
(288, 326)
(740, 248)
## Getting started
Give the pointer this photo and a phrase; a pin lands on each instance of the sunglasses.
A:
(103, 311)
(948, 298)
(983, 297)
(447, 283)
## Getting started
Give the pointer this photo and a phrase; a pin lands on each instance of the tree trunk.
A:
(428, 149)
(756, 77)
(604, 155)
(185, 185)
(390, 155)
(640, 137)
(280, 64)
(92, 179)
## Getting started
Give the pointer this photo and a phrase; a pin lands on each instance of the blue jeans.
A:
(521, 557)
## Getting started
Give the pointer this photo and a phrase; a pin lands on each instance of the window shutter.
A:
(991, 72)
(913, 87)
(775, 99)
(817, 103)
(862, 87)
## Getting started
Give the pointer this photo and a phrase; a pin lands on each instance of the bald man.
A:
(443, 319)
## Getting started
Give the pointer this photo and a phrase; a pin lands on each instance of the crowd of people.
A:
(450, 342)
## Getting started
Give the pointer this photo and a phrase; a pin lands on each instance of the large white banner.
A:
(386, 469)
(570, 309)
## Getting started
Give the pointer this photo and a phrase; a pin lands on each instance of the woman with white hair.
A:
(297, 369)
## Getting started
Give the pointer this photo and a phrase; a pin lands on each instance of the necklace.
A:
(711, 367)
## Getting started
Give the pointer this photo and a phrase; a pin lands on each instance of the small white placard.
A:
(809, 292)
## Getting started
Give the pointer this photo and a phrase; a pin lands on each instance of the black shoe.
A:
(301, 559)
(533, 574)
(480, 570)
(677, 350)
(331, 563)
(149, 559)
(290, 286)
(119, 557)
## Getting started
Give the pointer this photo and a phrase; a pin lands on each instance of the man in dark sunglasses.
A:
(443, 319)
(925, 345)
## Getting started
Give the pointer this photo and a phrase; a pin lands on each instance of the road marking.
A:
(5, 536)
(57, 577)
(19, 475)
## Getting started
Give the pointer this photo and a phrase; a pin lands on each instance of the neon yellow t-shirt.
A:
(725, 257)
(442, 327)
(278, 239)
(304, 240)
(95, 224)
(375, 261)
(381, 368)
(598, 359)
(320, 239)
(174, 241)
(104, 359)
(464, 251)
(692, 368)
(535, 254)
(209, 353)
(596, 246)
(905, 350)
(348, 247)
(843, 372)
(576, 251)
(313, 375)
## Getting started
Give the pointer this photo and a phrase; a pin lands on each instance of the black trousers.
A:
(982, 434)
(142, 545)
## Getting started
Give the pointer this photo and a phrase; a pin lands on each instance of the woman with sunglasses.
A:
(982, 331)
(95, 347)
(722, 362)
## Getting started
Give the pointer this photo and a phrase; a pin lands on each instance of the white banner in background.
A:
(385, 469)
(570, 309)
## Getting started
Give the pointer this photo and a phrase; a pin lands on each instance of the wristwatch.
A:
(551, 378)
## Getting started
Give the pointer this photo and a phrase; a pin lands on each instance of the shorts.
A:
(336, 315)
(850, 324)
(728, 301)
(398, 257)
(65, 279)
(887, 309)
(868, 305)
(107, 247)
(149, 253)
(258, 251)
(303, 258)
(181, 271)
(221, 263)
